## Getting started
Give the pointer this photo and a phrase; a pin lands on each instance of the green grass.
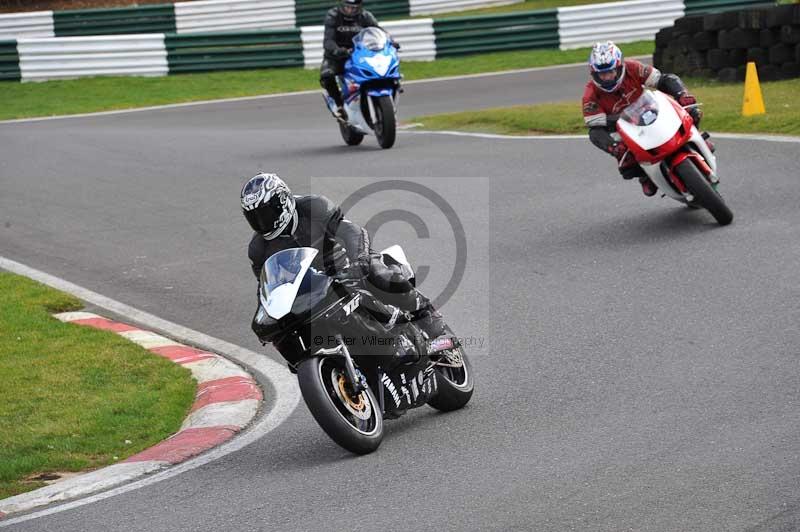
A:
(722, 108)
(72, 395)
(21, 100)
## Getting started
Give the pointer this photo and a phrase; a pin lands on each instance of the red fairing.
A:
(698, 161)
(660, 153)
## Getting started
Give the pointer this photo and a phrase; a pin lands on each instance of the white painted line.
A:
(237, 413)
(212, 369)
(72, 316)
(751, 136)
(493, 136)
(732, 136)
(285, 94)
(286, 398)
(147, 339)
(101, 479)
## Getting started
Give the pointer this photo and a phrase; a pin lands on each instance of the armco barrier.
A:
(416, 38)
(636, 20)
(229, 51)
(231, 15)
(9, 61)
(72, 57)
(312, 12)
(431, 7)
(513, 31)
(18, 25)
(117, 21)
(696, 7)
(209, 16)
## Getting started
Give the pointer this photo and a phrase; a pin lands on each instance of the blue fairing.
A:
(367, 65)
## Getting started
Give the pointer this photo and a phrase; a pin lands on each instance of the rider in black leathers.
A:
(282, 221)
(342, 23)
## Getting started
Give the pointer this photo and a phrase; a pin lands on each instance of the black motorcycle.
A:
(355, 370)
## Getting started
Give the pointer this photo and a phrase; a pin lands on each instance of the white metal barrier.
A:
(231, 15)
(73, 57)
(416, 39)
(430, 7)
(33, 24)
(635, 20)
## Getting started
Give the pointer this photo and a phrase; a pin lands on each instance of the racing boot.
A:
(648, 187)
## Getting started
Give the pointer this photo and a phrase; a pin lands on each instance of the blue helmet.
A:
(607, 66)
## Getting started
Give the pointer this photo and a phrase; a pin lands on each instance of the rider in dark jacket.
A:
(342, 23)
(283, 221)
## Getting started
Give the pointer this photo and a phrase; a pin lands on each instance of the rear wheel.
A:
(385, 125)
(704, 194)
(454, 379)
(354, 421)
(350, 135)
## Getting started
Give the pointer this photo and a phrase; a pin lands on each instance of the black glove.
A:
(396, 45)
(341, 53)
(687, 100)
(351, 273)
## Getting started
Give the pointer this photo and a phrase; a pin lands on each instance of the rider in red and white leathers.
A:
(616, 83)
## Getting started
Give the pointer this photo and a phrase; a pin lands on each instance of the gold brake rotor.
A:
(360, 405)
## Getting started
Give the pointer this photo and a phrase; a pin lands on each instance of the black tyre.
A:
(385, 125)
(767, 38)
(354, 422)
(780, 54)
(351, 136)
(703, 193)
(717, 59)
(759, 56)
(455, 383)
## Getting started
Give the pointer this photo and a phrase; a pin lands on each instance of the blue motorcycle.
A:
(370, 87)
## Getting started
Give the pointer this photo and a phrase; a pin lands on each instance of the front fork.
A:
(356, 378)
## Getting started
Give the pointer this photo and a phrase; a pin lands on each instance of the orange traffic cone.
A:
(753, 103)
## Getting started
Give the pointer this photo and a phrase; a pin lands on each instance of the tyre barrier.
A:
(719, 45)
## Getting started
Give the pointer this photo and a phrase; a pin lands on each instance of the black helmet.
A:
(350, 8)
(269, 205)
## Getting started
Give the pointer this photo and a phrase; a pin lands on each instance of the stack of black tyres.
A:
(719, 45)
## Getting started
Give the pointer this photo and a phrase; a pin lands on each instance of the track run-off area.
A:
(636, 365)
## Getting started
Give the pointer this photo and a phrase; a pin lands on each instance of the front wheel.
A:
(454, 379)
(385, 124)
(354, 421)
(704, 194)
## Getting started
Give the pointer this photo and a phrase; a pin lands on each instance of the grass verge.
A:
(722, 108)
(22, 100)
(75, 398)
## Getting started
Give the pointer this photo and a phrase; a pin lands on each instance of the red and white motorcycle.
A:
(663, 139)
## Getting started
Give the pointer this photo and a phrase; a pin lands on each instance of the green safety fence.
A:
(232, 51)
(156, 18)
(702, 7)
(9, 61)
(312, 12)
(513, 31)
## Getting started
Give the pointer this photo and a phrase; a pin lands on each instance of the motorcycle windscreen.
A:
(650, 120)
(281, 279)
(371, 38)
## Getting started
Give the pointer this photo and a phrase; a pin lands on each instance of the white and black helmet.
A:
(269, 205)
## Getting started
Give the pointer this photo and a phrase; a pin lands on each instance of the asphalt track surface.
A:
(640, 369)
